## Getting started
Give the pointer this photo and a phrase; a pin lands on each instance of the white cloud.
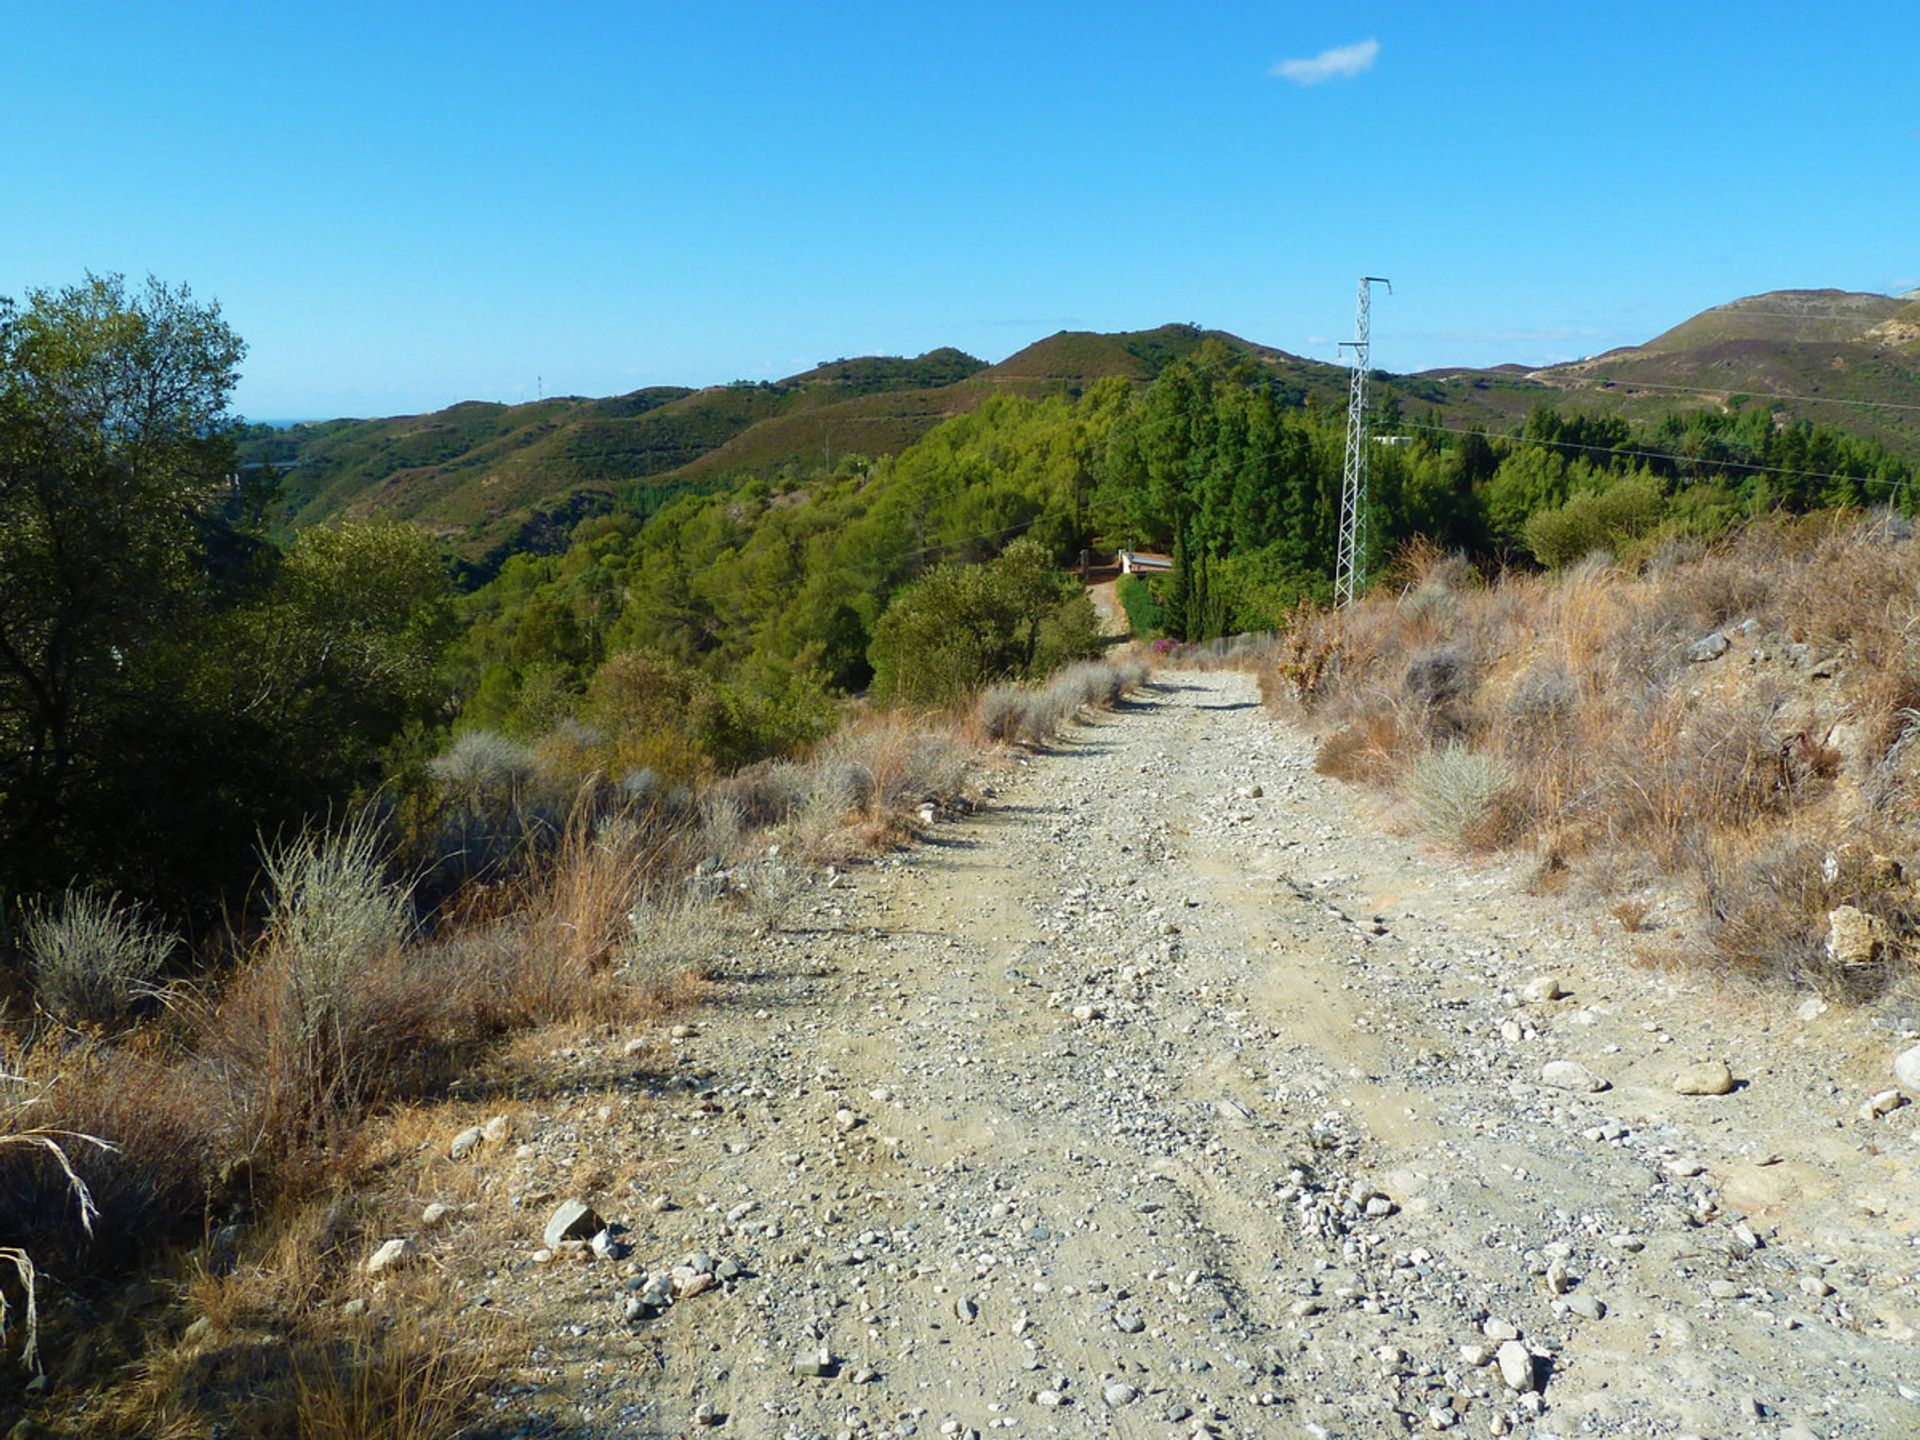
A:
(1343, 62)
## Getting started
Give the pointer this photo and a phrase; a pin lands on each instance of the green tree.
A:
(116, 453)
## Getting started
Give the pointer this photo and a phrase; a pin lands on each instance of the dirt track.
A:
(1142, 1104)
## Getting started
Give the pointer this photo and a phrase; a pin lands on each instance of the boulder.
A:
(1906, 1070)
(1543, 988)
(574, 1220)
(1571, 1075)
(391, 1254)
(1516, 1366)
(1711, 1078)
(1853, 937)
(1708, 647)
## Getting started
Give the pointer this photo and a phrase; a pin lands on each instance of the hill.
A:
(493, 479)
(1834, 357)
(489, 479)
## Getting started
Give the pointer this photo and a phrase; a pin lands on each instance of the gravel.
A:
(1172, 1093)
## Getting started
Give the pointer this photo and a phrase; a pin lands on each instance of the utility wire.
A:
(1637, 454)
(1627, 384)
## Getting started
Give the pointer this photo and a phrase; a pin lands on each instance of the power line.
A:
(1775, 315)
(1637, 454)
(1756, 394)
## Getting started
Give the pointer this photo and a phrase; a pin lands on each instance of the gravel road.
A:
(1172, 1094)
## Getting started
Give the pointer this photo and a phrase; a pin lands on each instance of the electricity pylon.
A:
(1353, 487)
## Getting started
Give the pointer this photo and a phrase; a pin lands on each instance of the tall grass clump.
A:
(1456, 792)
(1032, 716)
(92, 958)
(334, 910)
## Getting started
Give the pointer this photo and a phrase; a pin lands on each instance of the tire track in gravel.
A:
(1165, 1098)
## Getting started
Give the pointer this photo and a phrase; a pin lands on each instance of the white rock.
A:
(1884, 1102)
(466, 1142)
(391, 1254)
(573, 1220)
(1543, 988)
(1571, 1075)
(435, 1215)
(1854, 938)
(498, 1130)
(1712, 1077)
(1906, 1070)
(1516, 1366)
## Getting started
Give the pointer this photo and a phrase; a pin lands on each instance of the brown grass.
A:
(306, 1092)
(1622, 753)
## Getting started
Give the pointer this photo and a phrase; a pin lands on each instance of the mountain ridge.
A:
(490, 478)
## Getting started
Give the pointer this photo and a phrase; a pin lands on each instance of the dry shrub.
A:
(408, 1382)
(47, 1145)
(1034, 716)
(578, 906)
(1374, 748)
(1457, 793)
(157, 1137)
(1858, 590)
(1632, 915)
(1578, 689)
(308, 1376)
(1308, 662)
(1769, 907)
(1721, 588)
(1002, 711)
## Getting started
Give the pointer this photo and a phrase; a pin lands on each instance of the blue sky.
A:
(400, 206)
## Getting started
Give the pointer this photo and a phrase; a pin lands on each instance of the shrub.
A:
(1588, 522)
(94, 959)
(1455, 792)
(329, 1012)
(481, 765)
(1002, 711)
(1432, 602)
(670, 931)
(962, 626)
(333, 909)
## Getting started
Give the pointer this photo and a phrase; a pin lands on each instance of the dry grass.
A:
(1032, 716)
(1611, 745)
(289, 1098)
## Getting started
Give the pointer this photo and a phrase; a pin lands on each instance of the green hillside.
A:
(490, 480)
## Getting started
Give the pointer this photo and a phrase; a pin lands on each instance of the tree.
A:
(960, 626)
(172, 684)
(116, 445)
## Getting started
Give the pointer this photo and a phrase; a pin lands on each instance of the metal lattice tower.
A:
(1353, 488)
